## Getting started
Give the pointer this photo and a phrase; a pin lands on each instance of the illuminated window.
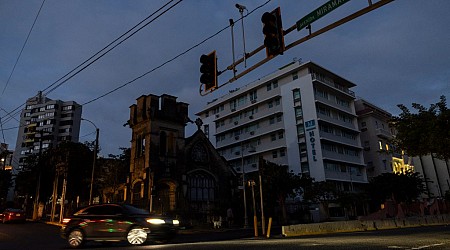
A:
(380, 143)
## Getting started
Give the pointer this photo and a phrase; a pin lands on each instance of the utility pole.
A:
(263, 223)
(38, 184)
(93, 163)
(63, 192)
(97, 131)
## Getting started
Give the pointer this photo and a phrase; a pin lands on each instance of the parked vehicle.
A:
(12, 214)
(117, 222)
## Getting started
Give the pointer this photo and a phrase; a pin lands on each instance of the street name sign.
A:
(319, 12)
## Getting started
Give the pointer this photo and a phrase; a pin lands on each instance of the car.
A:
(12, 214)
(117, 222)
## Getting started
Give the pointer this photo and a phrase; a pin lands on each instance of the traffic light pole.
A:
(371, 7)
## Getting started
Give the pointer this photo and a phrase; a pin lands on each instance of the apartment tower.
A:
(302, 116)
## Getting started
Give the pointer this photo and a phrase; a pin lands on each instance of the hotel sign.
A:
(309, 127)
(319, 12)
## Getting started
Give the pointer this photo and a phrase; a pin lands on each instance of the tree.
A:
(113, 172)
(405, 187)
(278, 184)
(424, 132)
(77, 159)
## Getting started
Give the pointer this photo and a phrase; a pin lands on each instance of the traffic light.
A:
(209, 71)
(273, 33)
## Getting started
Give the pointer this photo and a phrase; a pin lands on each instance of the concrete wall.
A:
(367, 225)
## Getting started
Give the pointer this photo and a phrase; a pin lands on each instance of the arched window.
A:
(162, 143)
(202, 187)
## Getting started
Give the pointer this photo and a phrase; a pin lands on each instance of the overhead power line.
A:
(52, 86)
(106, 47)
(172, 59)
(23, 46)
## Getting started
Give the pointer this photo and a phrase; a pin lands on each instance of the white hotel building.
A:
(302, 116)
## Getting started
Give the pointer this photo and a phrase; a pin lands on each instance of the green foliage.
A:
(5, 183)
(113, 171)
(400, 187)
(75, 157)
(426, 131)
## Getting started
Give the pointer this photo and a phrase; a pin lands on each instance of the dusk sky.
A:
(397, 54)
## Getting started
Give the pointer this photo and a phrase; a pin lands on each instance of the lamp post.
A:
(255, 220)
(97, 131)
(251, 150)
(38, 184)
(263, 223)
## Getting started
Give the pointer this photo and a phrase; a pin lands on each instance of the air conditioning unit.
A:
(236, 137)
(250, 117)
(254, 165)
(235, 123)
(254, 101)
(232, 110)
(252, 132)
(217, 115)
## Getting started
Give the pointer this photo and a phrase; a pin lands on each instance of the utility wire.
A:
(23, 46)
(87, 60)
(170, 60)
(17, 110)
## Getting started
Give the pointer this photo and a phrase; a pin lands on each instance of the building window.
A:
(274, 154)
(294, 76)
(67, 107)
(273, 137)
(363, 124)
(272, 120)
(282, 152)
(275, 84)
(50, 106)
(298, 112)
(380, 144)
(296, 94)
(253, 95)
(280, 135)
(269, 86)
(279, 118)
(206, 129)
(270, 104)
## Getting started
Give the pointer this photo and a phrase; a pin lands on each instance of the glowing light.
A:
(156, 221)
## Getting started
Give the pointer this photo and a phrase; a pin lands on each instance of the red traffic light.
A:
(273, 33)
(209, 71)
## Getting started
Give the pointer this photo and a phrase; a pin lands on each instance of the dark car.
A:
(12, 214)
(117, 222)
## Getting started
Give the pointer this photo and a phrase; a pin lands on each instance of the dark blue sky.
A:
(398, 54)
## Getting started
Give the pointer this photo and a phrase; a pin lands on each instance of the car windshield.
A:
(15, 210)
(135, 210)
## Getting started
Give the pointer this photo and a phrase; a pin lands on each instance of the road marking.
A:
(428, 246)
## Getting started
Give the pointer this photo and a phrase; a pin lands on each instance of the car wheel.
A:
(75, 238)
(136, 236)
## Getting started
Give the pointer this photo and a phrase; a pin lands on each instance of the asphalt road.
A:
(33, 235)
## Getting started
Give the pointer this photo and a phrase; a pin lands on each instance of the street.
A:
(31, 235)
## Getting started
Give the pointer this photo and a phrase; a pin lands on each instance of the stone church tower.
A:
(170, 173)
(156, 151)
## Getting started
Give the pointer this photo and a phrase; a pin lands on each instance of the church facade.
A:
(172, 174)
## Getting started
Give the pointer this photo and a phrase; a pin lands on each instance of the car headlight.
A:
(156, 221)
(176, 222)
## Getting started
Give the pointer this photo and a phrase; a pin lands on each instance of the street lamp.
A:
(255, 220)
(95, 158)
(251, 150)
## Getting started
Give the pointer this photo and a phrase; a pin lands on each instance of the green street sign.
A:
(319, 12)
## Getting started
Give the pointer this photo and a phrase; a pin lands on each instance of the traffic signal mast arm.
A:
(344, 20)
